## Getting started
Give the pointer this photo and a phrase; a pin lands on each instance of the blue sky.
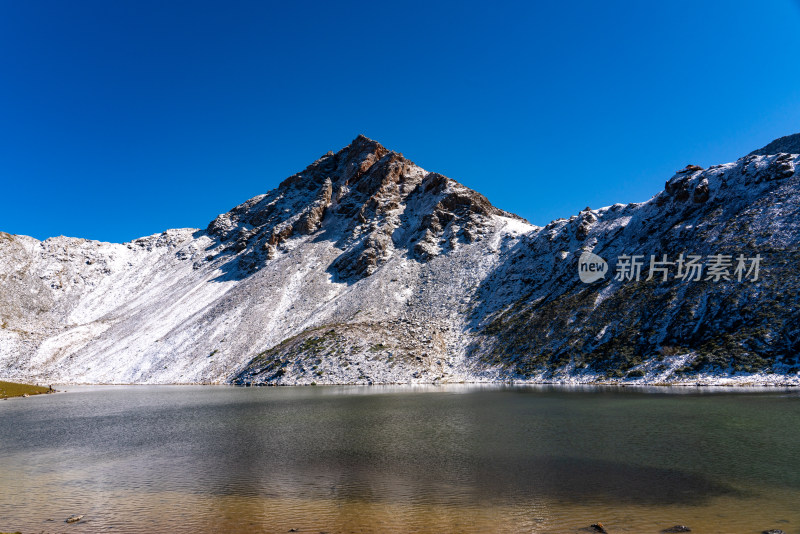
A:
(122, 119)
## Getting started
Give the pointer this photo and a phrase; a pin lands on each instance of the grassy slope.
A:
(12, 389)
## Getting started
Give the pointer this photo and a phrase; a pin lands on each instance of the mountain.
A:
(365, 268)
(789, 144)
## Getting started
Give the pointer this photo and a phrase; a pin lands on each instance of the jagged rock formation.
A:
(376, 202)
(365, 268)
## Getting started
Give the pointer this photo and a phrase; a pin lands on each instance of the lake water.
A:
(400, 459)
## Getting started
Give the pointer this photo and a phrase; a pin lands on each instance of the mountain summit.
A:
(369, 200)
(365, 268)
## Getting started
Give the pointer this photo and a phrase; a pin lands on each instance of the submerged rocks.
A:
(677, 528)
(595, 527)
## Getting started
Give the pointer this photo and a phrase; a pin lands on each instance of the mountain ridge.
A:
(788, 144)
(365, 268)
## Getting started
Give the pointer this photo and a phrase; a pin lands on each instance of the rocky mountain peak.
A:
(369, 200)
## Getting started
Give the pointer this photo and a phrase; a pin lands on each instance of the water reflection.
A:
(397, 458)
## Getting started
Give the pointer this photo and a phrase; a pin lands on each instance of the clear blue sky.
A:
(120, 119)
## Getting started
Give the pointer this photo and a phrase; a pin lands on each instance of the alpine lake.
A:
(450, 458)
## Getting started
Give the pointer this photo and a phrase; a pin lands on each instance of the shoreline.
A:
(732, 385)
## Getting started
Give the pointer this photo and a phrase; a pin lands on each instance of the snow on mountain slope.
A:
(365, 268)
(548, 325)
(363, 240)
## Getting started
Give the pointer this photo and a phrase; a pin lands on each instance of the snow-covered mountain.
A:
(365, 268)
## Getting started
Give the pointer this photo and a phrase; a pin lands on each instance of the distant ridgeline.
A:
(364, 268)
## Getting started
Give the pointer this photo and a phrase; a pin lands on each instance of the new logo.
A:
(591, 267)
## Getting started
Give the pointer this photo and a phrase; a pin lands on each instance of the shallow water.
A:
(400, 459)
